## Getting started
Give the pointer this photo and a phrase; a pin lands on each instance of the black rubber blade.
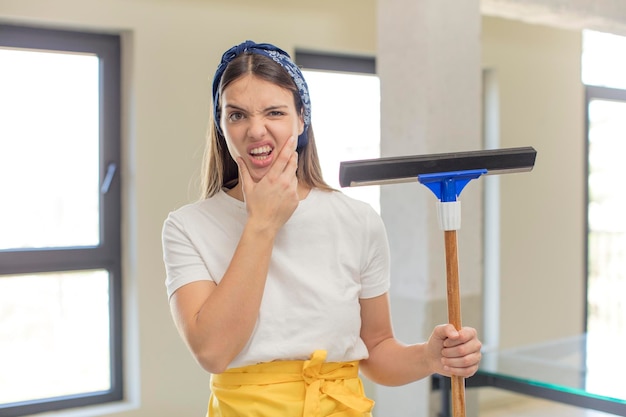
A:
(406, 168)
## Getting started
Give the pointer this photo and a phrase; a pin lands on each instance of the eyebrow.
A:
(269, 108)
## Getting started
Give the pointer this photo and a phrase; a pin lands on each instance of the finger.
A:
(463, 366)
(284, 157)
(446, 331)
(471, 347)
(457, 345)
(463, 336)
(462, 372)
(292, 165)
(289, 151)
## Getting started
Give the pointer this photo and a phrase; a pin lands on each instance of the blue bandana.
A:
(277, 55)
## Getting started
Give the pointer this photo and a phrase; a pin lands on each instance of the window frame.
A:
(106, 255)
(312, 60)
(593, 92)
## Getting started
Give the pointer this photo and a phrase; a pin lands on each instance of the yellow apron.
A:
(310, 388)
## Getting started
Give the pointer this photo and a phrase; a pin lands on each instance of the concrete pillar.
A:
(428, 60)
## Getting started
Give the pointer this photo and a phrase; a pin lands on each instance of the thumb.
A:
(446, 331)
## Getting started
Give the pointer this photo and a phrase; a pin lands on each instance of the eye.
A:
(276, 113)
(235, 116)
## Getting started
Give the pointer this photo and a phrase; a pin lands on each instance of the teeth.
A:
(262, 150)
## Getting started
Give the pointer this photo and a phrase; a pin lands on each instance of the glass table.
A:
(587, 371)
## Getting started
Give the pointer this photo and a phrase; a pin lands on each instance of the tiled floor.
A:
(538, 408)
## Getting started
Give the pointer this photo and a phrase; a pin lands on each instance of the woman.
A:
(277, 283)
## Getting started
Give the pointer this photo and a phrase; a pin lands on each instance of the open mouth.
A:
(262, 152)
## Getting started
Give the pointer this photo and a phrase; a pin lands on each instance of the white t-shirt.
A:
(331, 252)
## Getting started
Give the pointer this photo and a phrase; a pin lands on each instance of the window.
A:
(603, 69)
(345, 95)
(60, 266)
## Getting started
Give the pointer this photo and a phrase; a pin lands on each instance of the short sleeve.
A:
(183, 263)
(375, 271)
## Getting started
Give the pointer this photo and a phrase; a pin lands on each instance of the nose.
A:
(257, 128)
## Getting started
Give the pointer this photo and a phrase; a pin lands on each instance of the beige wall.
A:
(542, 219)
(541, 104)
(170, 50)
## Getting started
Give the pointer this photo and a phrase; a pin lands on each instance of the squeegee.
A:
(445, 174)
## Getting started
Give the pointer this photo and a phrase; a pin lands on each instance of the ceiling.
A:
(600, 15)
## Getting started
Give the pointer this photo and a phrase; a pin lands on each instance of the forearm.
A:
(220, 325)
(392, 363)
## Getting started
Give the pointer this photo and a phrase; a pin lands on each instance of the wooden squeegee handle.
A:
(454, 314)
